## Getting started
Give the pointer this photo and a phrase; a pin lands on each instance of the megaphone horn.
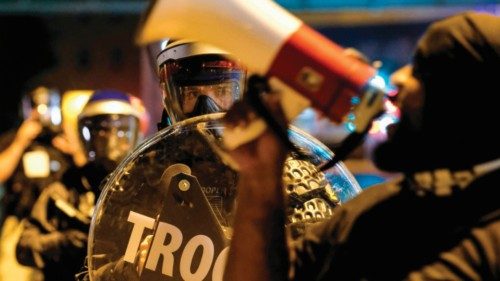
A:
(269, 41)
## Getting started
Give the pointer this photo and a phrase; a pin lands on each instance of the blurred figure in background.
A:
(31, 158)
(72, 104)
(20, 63)
(55, 236)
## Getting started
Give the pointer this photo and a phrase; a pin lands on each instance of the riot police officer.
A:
(31, 158)
(32, 143)
(176, 185)
(55, 235)
(199, 79)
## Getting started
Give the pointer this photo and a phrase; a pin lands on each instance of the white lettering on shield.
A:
(158, 248)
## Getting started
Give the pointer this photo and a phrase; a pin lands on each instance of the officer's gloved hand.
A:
(55, 244)
(119, 270)
(75, 238)
(49, 244)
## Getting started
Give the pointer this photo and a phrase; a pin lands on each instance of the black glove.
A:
(75, 238)
(119, 270)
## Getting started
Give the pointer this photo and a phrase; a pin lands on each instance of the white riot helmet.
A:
(108, 127)
(198, 79)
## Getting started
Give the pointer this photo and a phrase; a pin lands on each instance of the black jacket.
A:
(22, 191)
(400, 232)
(55, 235)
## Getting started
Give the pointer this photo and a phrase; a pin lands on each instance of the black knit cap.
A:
(458, 62)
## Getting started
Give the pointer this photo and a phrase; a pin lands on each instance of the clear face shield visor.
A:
(200, 85)
(108, 138)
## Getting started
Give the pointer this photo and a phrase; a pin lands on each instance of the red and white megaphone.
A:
(273, 43)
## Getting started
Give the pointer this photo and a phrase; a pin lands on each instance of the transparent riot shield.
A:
(166, 212)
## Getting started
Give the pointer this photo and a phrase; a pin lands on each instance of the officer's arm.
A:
(35, 247)
(10, 157)
(41, 242)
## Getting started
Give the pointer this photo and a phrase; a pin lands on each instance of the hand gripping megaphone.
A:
(273, 43)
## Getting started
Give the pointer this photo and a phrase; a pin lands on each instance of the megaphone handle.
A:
(352, 141)
(258, 85)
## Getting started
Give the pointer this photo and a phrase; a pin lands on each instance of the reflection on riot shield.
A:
(167, 211)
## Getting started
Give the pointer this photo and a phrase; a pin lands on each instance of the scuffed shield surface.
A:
(166, 212)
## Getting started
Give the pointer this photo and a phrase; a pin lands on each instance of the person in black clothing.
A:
(55, 236)
(30, 156)
(30, 159)
(26, 52)
(440, 221)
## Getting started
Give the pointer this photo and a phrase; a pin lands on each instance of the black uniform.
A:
(55, 236)
(21, 191)
(433, 236)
